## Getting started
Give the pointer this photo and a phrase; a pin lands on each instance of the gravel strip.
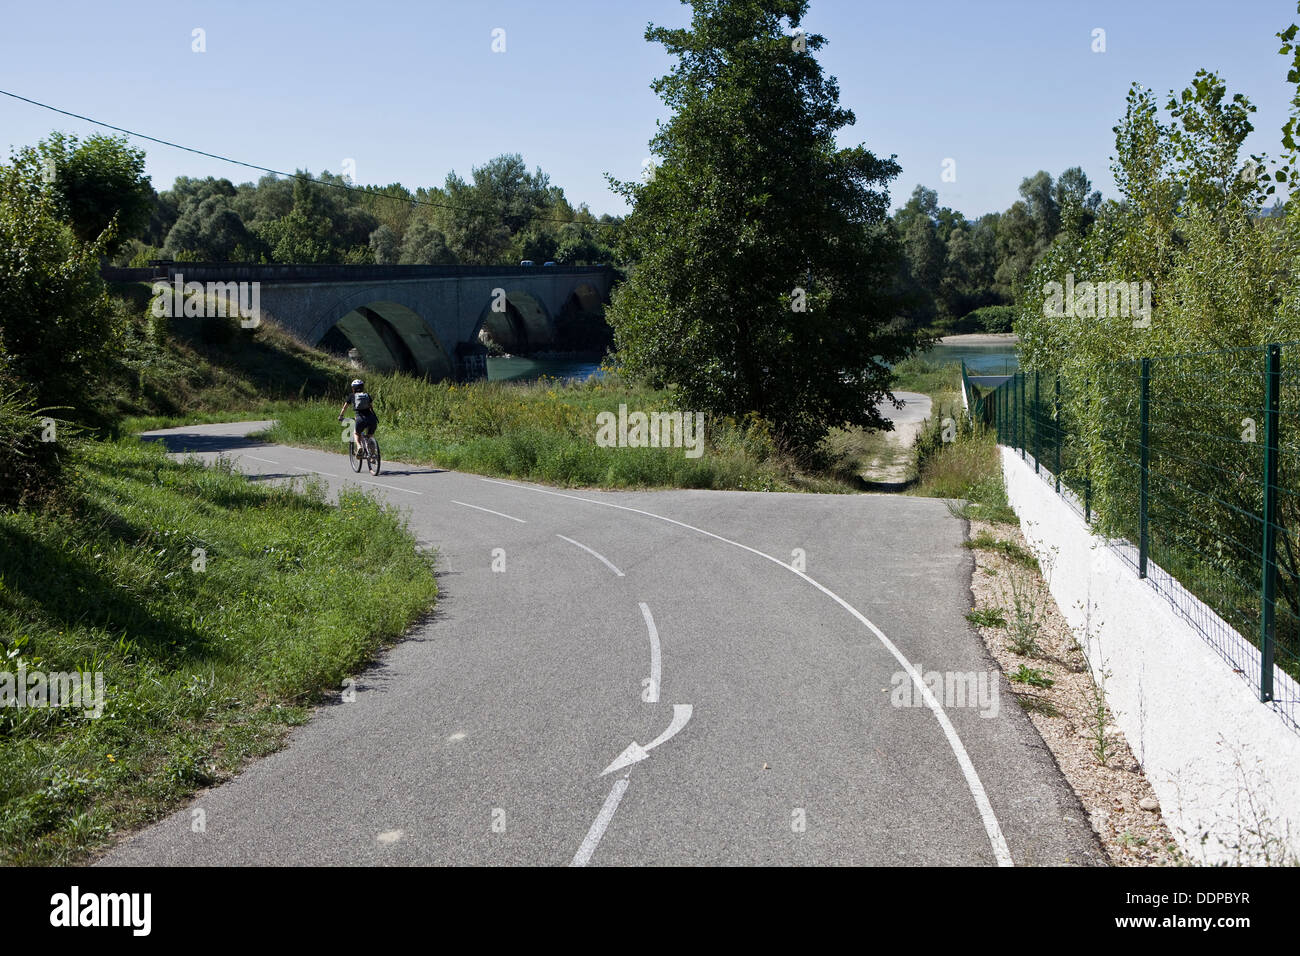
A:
(1076, 727)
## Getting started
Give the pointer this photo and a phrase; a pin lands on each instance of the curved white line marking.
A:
(601, 557)
(488, 510)
(592, 839)
(1001, 852)
(656, 667)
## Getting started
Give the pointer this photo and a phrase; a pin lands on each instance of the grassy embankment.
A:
(967, 469)
(189, 371)
(208, 657)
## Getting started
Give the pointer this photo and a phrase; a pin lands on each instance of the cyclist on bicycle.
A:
(365, 421)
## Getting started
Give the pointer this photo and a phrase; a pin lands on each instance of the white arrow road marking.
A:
(656, 668)
(599, 556)
(1001, 852)
(635, 753)
(488, 510)
(592, 839)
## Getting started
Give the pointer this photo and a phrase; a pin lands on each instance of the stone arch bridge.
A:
(430, 320)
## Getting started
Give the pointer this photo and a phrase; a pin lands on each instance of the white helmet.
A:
(357, 383)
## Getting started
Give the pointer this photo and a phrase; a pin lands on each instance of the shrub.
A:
(995, 318)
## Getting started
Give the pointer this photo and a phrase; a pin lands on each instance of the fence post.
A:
(1087, 463)
(1020, 414)
(1268, 582)
(1002, 415)
(1144, 413)
(1037, 415)
(1014, 409)
(1060, 434)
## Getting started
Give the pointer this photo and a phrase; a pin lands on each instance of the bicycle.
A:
(367, 453)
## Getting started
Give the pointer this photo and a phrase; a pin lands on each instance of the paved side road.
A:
(636, 678)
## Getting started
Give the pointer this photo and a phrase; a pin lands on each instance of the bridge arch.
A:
(525, 325)
(584, 297)
(389, 335)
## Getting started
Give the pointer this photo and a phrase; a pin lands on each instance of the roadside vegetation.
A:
(966, 469)
(218, 612)
(546, 431)
(215, 611)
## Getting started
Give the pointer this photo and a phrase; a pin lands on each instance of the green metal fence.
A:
(1189, 465)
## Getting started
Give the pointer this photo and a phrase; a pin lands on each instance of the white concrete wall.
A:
(1225, 767)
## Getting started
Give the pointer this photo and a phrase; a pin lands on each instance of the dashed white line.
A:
(380, 484)
(655, 665)
(267, 460)
(596, 554)
(592, 839)
(1001, 852)
(313, 471)
(488, 510)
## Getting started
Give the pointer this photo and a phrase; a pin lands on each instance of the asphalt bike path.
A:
(667, 677)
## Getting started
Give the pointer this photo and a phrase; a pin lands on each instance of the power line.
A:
(275, 172)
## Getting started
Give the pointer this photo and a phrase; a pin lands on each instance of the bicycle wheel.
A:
(373, 462)
(354, 456)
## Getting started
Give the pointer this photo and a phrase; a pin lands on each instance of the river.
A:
(981, 359)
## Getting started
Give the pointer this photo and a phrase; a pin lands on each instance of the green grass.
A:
(969, 472)
(1031, 676)
(930, 378)
(1009, 549)
(134, 424)
(875, 457)
(546, 431)
(204, 669)
(987, 617)
(188, 371)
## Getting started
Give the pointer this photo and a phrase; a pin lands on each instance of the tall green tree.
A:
(424, 245)
(752, 211)
(98, 186)
(57, 328)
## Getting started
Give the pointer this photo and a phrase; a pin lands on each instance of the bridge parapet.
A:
(250, 272)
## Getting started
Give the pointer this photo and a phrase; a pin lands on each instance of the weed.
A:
(1038, 705)
(987, 617)
(1031, 676)
(1029, 608)
(1009, 549)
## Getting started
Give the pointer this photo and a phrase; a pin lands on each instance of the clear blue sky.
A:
(412, 90)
